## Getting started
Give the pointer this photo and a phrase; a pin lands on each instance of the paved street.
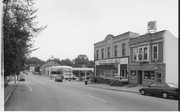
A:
(42, 94)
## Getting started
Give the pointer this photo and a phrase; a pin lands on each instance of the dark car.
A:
(21, 77)
(161, 89)
(58, 79)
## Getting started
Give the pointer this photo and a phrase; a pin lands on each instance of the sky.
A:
(73, 26)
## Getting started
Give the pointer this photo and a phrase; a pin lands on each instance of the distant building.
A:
(153, 58)
(111, 55)
(45, 66)
(82, 73)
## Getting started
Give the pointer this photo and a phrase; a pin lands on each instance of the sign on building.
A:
(151, 26)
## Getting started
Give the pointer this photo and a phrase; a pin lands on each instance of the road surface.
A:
(39, 93)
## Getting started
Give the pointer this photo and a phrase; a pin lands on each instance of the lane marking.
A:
(29, 87)
(96, 98)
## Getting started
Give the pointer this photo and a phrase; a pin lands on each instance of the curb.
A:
(7, 98)
(115, 89)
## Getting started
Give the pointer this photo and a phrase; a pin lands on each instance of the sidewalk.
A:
(9, 89)
(126, 88)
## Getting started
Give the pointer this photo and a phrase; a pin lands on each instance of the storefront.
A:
(111, 68)
(146, 74)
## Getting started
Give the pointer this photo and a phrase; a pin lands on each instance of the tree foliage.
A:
(77, 62)
(66, 62)
(19, 28)
(34, 61)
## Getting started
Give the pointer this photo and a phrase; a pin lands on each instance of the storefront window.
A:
(149, 75)
(133, 74)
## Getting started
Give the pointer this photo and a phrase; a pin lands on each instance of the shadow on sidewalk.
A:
(8, 90)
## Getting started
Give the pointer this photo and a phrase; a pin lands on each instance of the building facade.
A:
(149, 61)
(111, 55)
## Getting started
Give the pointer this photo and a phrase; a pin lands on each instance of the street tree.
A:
(34, 61)
(82, 60)
(19, 28)
(66, 62)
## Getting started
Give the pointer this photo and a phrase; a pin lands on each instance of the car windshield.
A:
(171, 85)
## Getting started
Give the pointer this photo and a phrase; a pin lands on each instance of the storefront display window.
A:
(149, 75)
(133, 74)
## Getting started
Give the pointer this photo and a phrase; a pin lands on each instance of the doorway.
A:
(139, 77)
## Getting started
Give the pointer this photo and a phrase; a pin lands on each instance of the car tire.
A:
(165, 95)
(143, 92)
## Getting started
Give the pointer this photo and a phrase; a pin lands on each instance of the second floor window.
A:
(108, 51)
(134, 54)
(140, 55)
(102, 51)
(97, 54)
(115, 50)
(155, 52)
(123, 49)
(145, 53)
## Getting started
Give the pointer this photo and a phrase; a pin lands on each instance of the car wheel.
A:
(143, 92)
(164, 95)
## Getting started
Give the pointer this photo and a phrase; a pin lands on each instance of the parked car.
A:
(5, 82)
(58, 79)
(161, 89)
(21, 77)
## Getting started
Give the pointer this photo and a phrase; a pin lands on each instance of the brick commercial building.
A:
(153, 58)
(112, 56)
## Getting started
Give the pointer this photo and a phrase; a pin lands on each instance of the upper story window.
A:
(140, 54)
(102, 53)
(115, 50)
(123, 49)
(97, 54)
(135, 51)
(143, 53)
(155, 52)
(108, 51)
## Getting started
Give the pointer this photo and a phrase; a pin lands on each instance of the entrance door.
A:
(139, 77)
